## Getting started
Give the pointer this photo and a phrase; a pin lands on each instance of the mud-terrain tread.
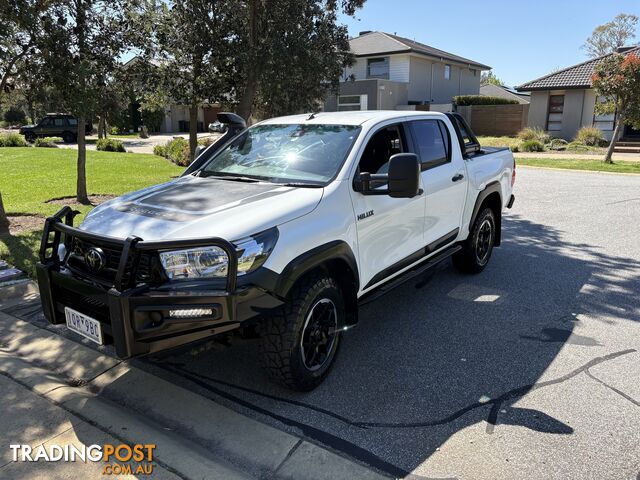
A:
(279, 332)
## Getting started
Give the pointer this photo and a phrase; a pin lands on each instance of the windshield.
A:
(285, 153)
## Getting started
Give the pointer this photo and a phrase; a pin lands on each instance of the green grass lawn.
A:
(31, 176)
(581, 164)
(510, 142)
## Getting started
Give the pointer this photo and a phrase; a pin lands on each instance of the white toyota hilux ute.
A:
(282, 229)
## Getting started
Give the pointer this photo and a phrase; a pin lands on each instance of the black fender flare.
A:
(312, 259)
(491, 188)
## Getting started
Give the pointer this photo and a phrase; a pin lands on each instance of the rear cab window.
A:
(432, 141)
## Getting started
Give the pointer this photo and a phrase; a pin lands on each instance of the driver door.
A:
(389, 229)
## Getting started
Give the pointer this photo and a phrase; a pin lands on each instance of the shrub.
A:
(464, 100)
(532, 146)
(47, 142)
(205, 141)
(578, 147)
(12, 140)
(15, 116)
(534, 134)
(178, 151)
(160, 150)
(557, 144)
(590, 136)
(110, 145)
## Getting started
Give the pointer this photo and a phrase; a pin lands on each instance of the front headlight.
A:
(212, 262)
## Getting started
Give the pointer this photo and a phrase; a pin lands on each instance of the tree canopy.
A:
(617, 78)
(606, 38)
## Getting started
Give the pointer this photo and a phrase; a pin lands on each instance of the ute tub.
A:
(142, 317)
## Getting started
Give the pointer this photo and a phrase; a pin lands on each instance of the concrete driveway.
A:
(141, 145)
(528, 370)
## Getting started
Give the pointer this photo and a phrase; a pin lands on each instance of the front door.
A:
(444, 180)
(389, 229)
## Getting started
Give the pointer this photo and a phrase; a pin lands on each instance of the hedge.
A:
(465, 100)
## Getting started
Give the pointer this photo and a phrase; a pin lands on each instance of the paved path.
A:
(141, 145)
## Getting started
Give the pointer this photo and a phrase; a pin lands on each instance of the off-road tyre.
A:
(282, 333)
(30, 137)
(476, 250)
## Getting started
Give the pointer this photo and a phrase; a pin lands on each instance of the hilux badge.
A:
(95, 259)
(364, 215)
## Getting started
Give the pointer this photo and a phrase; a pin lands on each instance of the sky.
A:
(520, 40)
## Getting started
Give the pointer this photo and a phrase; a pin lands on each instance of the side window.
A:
(45, 122)
(385, 142)
(59, 122)
(432, 145)
(72, 121)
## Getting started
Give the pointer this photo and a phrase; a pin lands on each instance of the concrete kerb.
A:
(139, 407)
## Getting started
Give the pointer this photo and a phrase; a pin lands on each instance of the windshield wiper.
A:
(301, 184)
(232, 178)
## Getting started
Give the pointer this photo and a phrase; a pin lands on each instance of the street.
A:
(530, 369)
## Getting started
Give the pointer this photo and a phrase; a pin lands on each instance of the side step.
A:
(408, 275)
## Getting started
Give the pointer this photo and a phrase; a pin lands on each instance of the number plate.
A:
(86, 326)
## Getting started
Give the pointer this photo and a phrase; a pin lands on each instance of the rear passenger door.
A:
(444, 180)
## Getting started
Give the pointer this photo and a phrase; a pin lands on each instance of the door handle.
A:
(457, 177)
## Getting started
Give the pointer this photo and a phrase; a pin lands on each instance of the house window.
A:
(352, 102)
(447, 72)
(604, 122)
(554, 116)
(378, 68)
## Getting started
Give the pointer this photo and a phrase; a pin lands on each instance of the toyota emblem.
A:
(95, 259)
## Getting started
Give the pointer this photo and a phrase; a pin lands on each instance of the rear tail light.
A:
(513, 174)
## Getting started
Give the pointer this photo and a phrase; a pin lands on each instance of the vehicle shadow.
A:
(440, 353)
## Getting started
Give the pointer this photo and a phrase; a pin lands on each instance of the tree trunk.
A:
(4, 220)
(614, 139)
(102, 127)
(245, 105)
(193, 130)
(81, 186)
(81, 181)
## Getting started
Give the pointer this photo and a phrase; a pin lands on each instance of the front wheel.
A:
(300, 342)
(476, 250)
(30, 137)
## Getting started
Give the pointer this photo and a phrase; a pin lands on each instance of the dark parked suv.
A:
(54, 125)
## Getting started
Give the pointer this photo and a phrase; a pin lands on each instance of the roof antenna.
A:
(313, 115)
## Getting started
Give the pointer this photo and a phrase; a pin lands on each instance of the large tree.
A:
(617, 78)
(290, 53)
(19, 23)
(490, 78)
(83, 42)
(606, 38)
(191, 54)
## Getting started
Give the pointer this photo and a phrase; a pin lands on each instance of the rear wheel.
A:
(68, 137)
(300, 343)
(476, 250)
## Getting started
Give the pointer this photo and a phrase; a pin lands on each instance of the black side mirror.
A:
(403, 179)
(404, 175)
